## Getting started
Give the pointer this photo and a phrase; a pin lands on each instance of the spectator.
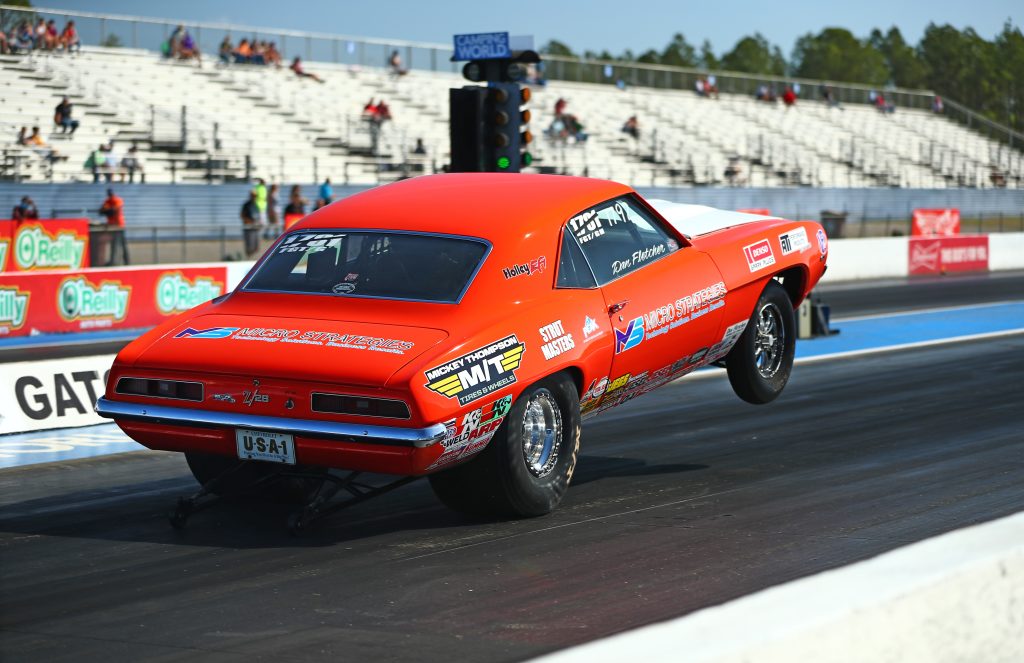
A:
(36, 142)
(395, 63)
(62, 116)
(23, 137)
(25, 40)
(111, 162)
(5, 47)
(273, 55)
(51, 38)
(259, 48)
(383, 111)
(250, 225)
(173, 48)
(296, 203)
(272, 217)
(828, 95)
(326, 192)
(243, 54)
(734, 172)
(937, 105)
(711, 86)
(789, 97)
(302, 73)
(25, 210)
(260, 193)
(560, 106)
(226, 50)
(132, 162)
(96, 161)
(699, 87)
(69, 38)
(420, 147)
(40, 34)
(632, 127)
(188, 49)
(113, 209)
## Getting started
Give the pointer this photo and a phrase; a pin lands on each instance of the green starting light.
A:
(527, 158)
(503, 163)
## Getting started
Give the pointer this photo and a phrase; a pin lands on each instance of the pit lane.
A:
(682, 499)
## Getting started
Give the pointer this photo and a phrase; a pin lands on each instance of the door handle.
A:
(618, 306)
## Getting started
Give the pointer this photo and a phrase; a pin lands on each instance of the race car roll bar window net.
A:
(372, 263)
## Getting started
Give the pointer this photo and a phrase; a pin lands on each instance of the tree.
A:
(905, 68)
(708, 59)
(1010, 52)
(755, 55)
(555, 47)
(836, 55)
(10, 20)
(679, 52)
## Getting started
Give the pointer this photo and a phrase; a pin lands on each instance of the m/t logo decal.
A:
(478, 373)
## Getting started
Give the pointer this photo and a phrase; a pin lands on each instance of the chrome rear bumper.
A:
(180, 416)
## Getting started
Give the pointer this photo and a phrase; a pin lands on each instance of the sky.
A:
(597, 25)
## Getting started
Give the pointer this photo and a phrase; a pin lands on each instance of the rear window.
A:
(390, 265)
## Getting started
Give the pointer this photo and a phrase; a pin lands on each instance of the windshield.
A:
(391, 265)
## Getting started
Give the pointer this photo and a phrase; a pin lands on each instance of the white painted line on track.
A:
(921, 311)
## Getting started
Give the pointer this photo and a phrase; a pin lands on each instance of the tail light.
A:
(360, 406)
(177, 389)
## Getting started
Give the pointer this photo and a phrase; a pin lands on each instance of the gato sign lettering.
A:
(55, 393)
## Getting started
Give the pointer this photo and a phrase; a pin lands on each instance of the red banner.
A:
(928, 222)
(44, 244)
(938, 255)
(90, 299)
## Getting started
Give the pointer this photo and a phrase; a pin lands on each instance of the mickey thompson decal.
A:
(478, 373)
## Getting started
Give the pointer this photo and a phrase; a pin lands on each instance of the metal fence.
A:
(151, 33)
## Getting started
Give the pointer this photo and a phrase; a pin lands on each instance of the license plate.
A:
(265, 445)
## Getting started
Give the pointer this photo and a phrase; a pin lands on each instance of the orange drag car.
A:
(461, 327)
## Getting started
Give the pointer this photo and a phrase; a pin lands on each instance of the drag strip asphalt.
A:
(683, 499)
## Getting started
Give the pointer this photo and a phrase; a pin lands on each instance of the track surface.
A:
(683, 499)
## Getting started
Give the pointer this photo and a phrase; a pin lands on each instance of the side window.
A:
(573, 271)
(618, 237)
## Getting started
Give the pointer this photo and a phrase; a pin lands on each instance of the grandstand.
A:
(215, 123)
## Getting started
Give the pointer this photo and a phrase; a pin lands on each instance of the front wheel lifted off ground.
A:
(527, 467)
(760, 363)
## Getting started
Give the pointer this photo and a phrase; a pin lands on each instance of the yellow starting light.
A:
(526, 138)
(524, 95)
(525, 116)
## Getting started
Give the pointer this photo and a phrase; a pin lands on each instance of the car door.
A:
(664, 298)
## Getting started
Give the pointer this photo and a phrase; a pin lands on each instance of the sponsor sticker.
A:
(80, 300)
(13, 308)
(556, 340)
(590, 328)
(37, 248)
(759, 255)
(478, 373)
(478, 427)
(175, 292)
(822, 241)
(794, 241)
(302, 242)
(535, 266)
(298, 336)
(670, 315)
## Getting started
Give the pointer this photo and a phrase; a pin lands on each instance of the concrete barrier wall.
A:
(888, 257)
(957, 597)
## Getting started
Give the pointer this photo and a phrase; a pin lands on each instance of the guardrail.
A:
(149, 33)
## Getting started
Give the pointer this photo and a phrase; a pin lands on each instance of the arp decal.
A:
(478, 373)
(13, 308)
(535, 266)
(794, 241)
(759, 255)
(476, 431)
(556, 340)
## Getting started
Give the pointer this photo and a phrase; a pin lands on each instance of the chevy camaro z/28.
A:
(462, 327)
